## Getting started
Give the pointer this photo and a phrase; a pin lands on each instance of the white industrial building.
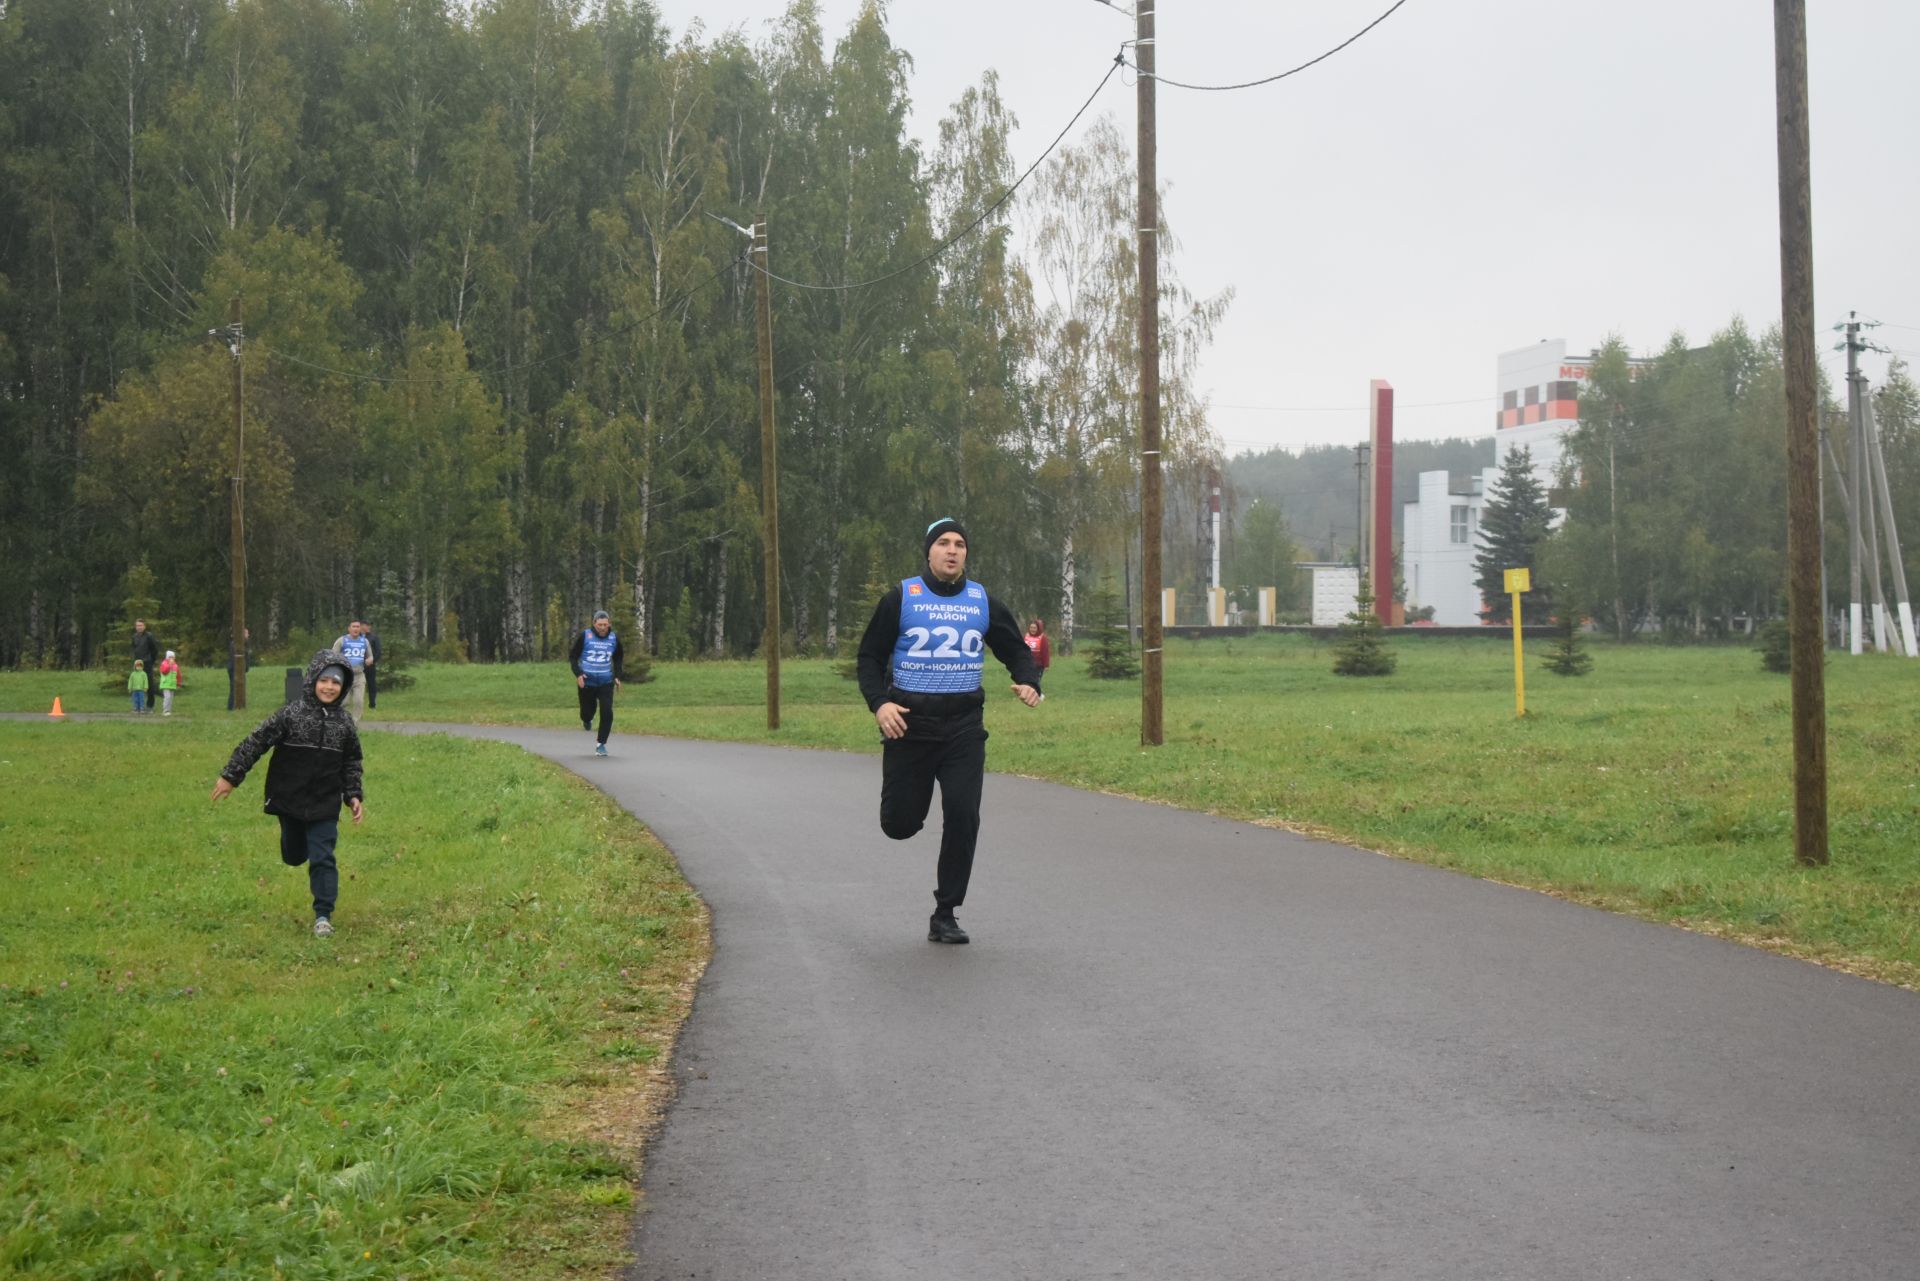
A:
(1439, 538)
(1539, 390)
(1539, 404)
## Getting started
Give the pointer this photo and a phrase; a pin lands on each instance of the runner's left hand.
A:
(1028, 695)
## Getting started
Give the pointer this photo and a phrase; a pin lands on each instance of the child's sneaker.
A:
(599, 749)
(322, 927)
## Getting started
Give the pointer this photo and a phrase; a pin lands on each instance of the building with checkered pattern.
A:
(1539, 389)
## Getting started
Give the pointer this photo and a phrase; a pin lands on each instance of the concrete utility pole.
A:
(1213, 524)
(769, 471)
(237, 520)
(1877, 463)
(1856, 459)
(1820, 469)
(1803, 434)
(1152, 635)
(1832, 456)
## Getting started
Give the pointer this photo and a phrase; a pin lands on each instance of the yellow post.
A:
(1517, 581)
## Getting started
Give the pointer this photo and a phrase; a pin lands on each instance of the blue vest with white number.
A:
(596, 657)
(943, 639)
(355, 649)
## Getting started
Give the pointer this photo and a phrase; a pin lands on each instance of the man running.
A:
(354, 646)
(598, 669)
(921, 663)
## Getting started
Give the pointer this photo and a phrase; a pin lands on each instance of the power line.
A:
(1118, 62)
(1292, 72)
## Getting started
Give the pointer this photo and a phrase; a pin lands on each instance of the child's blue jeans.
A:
(139, 700)
(312, 844)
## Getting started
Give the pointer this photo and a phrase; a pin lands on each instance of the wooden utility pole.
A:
(1360, 509)
(237, 484)
(769, 472)
(1804, 610)
(1152, 637)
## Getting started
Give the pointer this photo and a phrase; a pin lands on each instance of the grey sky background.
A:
(1469, 177)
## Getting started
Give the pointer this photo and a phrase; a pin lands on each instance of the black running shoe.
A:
(944, 929)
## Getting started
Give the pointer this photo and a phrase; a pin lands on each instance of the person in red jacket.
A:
(1036, 639)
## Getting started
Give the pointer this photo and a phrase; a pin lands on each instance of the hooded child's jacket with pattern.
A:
(316, 751)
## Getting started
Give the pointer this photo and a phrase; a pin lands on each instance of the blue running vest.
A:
(596, 657)
(355, 651)
(943, 639)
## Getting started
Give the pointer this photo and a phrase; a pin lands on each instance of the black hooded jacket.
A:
(316, 751)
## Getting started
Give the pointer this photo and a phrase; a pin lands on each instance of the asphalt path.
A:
(1182, 1047)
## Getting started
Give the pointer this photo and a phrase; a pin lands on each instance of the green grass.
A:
(192, 1086)
(1658, 785)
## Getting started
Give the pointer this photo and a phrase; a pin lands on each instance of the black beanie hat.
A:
(944, 525)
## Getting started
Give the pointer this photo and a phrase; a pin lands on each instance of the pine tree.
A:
(139, 602)
(1776, 647)
(1362, 650)
(1111, 658)
(676, 643)
(1513, 524)
(1567, 658)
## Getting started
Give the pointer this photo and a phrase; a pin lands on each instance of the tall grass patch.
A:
(192, 1085)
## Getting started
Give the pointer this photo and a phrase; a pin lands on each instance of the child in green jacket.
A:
(137, 685)
(169, 681)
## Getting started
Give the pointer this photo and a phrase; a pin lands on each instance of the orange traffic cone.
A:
(56, 714)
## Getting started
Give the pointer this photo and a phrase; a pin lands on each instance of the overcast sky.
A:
(1469, 177)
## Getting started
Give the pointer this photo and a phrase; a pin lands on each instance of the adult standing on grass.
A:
(316, 766)
(1036, 639)
(146, 652)
(921, 664)
(373, 672)
(358, 651)
(598, 665)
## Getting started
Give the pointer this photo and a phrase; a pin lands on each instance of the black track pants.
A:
(313, 844)
(600, 696)
(909, 767)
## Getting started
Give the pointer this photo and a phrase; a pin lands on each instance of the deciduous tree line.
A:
(498, 358)
(1674, 493)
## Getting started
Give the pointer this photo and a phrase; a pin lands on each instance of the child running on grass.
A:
(315, 766)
